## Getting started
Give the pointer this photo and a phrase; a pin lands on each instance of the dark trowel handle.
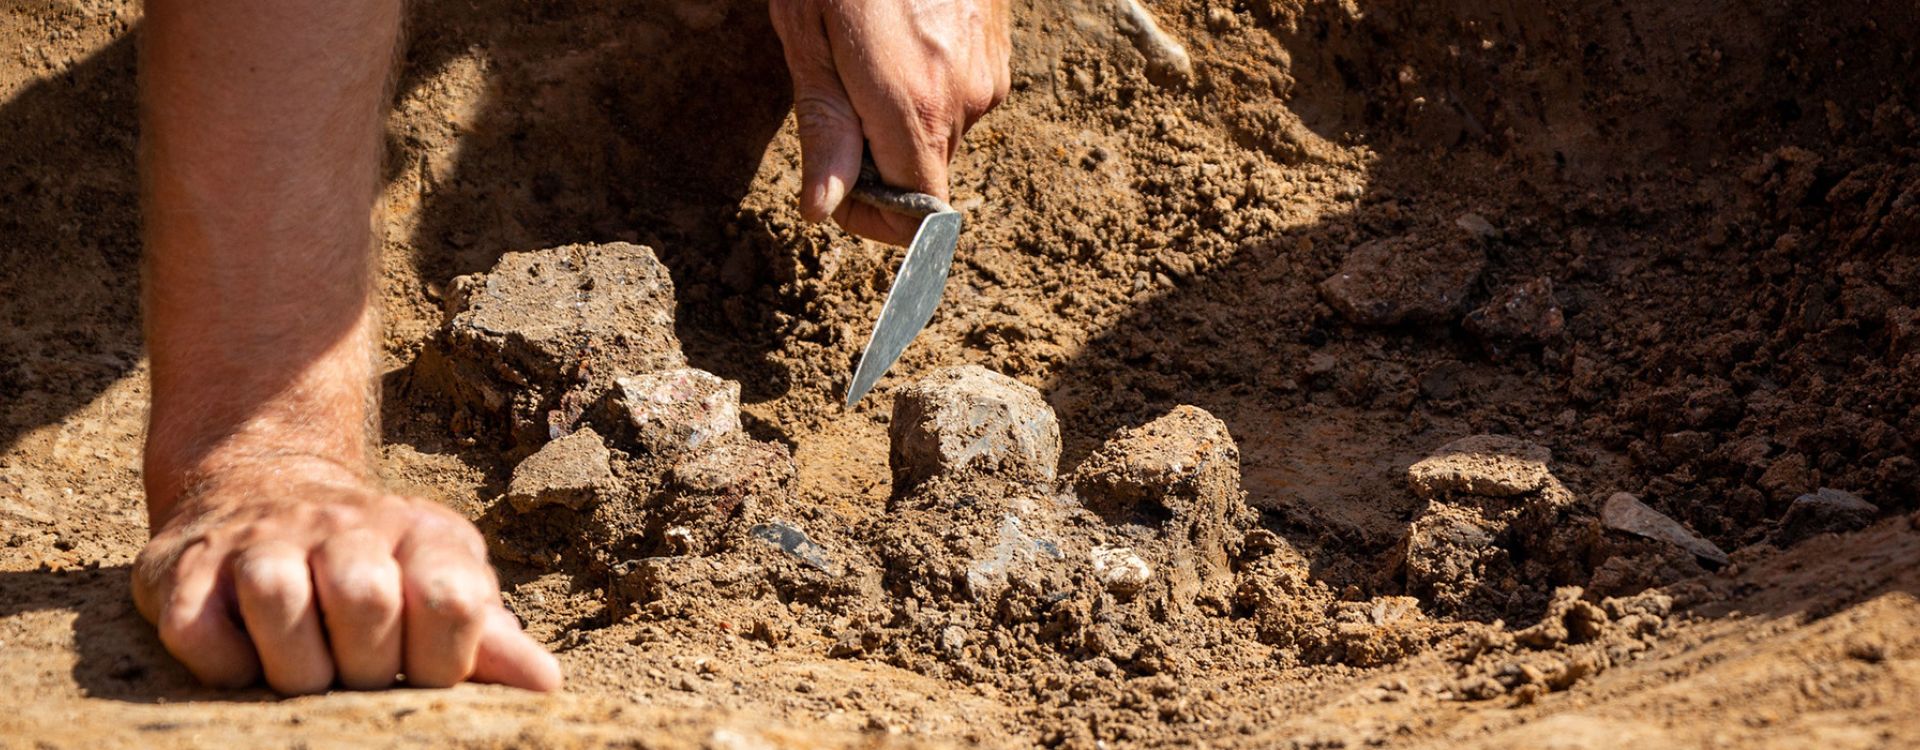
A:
(873, 192)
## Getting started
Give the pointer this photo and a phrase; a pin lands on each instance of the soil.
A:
(1323, 360)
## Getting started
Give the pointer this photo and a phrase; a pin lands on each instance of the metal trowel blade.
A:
(910, 303)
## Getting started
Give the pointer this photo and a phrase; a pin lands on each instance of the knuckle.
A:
(272, 578)
(364, 592)
(181, 631)
(459, 597)
(932, 117)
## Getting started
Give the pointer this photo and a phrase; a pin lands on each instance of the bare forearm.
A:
(260, 157)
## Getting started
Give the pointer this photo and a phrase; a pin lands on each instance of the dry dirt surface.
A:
(1389, 374)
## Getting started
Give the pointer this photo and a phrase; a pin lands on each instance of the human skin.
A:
(276, 554)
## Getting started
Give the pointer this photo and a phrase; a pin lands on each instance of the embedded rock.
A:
(1404, 280)
(1491, 500)
(676, 411)
(1523, 313)
(1625, 512)
(1450, 553)
(1826, 510)
(712, 493)
(568, 472)
(543, 323)
(1174, 485)
(1120, 570)
(970, 419)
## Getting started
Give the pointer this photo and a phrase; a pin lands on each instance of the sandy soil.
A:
(1664, 248)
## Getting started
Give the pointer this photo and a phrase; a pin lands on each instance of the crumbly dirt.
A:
(1669, 249)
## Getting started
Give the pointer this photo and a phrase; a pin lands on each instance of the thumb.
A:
(510, 657)
(830, 140)
(830, 146)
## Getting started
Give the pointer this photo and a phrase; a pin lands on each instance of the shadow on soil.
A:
(118, 657)
(69, 241)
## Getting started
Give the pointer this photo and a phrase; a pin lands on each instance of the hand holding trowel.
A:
(920, 283)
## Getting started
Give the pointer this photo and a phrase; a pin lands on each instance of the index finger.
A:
(876, 224)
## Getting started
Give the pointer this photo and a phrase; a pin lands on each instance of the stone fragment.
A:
(676, 411)
(1523, 313)
(1486, 465)
(568, 472)
(1476, 226)
(795, 542)
(1826, 510)
(1016, 551)
(1625, 512)
(1177, 479)
(970, 419)
(1122, 571)
(1405, 279)
(542, 323)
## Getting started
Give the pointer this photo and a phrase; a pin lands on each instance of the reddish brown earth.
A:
(1669, 249)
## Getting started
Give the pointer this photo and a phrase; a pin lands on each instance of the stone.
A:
(543, 323)
(1140, 471)
(970, 419)
(1477, 226)
(1624, 512)
(1523, 313)
(1405, 279)
(1177, 481)
(1485, 465)
(677, 411)
(1009, 559)
(1824, 511)
(795, 542)
(551, 310)
(1120, 570)
(569, 472)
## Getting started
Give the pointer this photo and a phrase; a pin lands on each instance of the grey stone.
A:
(568, 472)
(795, 542)
(1625, 512)
(1476, 226)
(1823, 511)
(1008, 559)
(969, 418)
(676, 411)
(544, 323)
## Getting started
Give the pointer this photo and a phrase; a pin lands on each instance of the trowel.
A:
(920, 283)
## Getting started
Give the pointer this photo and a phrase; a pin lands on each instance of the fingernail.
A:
(832, 192)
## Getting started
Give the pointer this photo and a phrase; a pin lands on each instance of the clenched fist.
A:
(298, 571)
